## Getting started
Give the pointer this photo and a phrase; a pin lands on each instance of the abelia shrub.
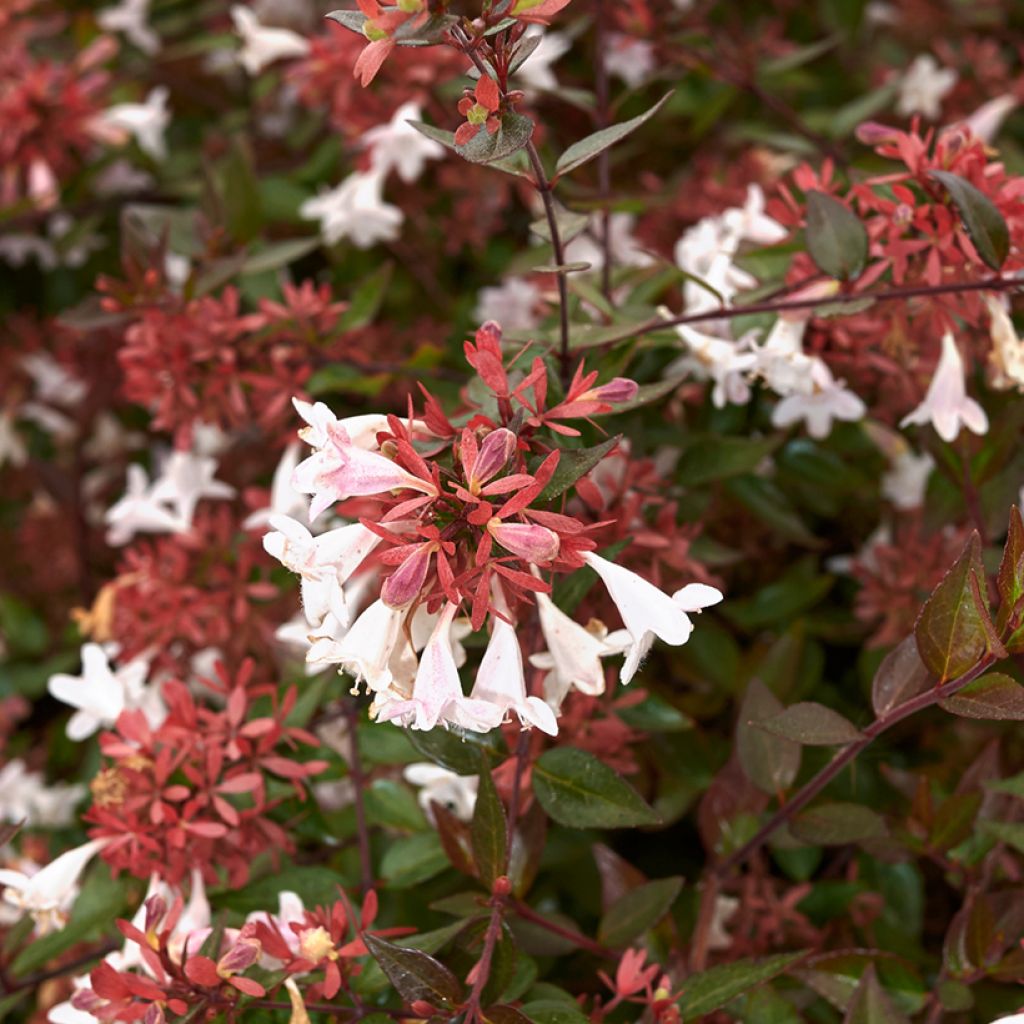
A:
(514, 512)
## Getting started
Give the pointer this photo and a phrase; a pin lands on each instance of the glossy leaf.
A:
(812, 725)
(488, 831)
(570, 224)
(459, 751)
(415, 975)
(769, 760)
(901, 676)
(995, 697)
(838, 824)
(984, 223)
(638, 910)
(586, 149)
(501, 1013)
(1010, 578)
(512, 136)
(712, 989)
(574, 463)
(578, 790)
(950, 633)
(715, 458)
(871, 1005)
(410, 860)
(836, 239)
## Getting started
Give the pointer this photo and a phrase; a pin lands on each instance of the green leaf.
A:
(639, 909)
(1010, 577)
(501, 1013)
(367, 298)
(279, 254)
(352, 20)
(578, 790)
(950, 633)
(415, 975)
(871, 1005)
(995, 697)
(460, 751)
(413, 859)
(596, 335)
(813, 725)
(574, 463)
(512, 136)
(838, 824)
(488, 830)
(586, 149)
(901, 676)
(653, 714)
(1009, 832)
(554, 1011)
(713, 458)
(984, 223)
(770, 761)
(836, 238)
(314, 883)
(712, 989)
(392, 805)
(240, 193)
(570, 224)
(575, 267)
(954, 821)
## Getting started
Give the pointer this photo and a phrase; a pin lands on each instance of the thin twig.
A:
(527, 913)
(32, 981)
(991, 284)
(543, 187)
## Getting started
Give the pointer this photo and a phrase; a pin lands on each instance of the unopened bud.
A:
(502, 886)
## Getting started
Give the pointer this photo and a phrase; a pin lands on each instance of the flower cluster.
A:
(449, 517)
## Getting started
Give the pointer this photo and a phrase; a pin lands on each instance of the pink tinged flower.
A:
(340, 470)
(263, 45)
(1006, 357)
(362, 430)
(492, 458)
(829, 400)
(438, 785)
(985, 122)
(101, 693)
(402, 586)
(365, 650)
(324, 562)
(500, 681)
(48, 894)
(437, 693)
(946, 405)
(617, 390)
(695, 597)
(575, 654)
(646, 611)
(290, 909)
(536, 544)
(43, 187)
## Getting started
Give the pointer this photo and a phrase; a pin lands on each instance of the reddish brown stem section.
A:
(845, 756)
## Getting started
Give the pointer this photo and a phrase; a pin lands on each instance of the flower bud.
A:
(242, 955)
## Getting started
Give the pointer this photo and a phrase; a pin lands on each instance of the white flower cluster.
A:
(356, 208)
(168, 504)
(707, 253)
